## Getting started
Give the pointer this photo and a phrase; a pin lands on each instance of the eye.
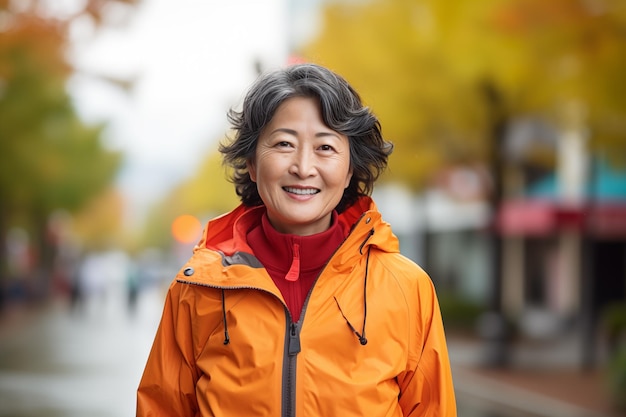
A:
(326, 148)
(283, 144)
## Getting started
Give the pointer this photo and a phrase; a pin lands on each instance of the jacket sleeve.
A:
(426, 388)
(167, 387)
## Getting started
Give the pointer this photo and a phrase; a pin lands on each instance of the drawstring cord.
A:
(226, 336)
(371, 232)
(361, 336)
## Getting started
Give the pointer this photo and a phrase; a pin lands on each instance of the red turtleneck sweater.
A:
(293, 261)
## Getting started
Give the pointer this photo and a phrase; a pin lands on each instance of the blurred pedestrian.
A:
(298, 302)
(132, 286)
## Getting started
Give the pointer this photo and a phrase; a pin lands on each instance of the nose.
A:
(303, 164)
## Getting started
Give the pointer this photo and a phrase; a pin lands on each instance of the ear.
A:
(348, 178)
(251, 169)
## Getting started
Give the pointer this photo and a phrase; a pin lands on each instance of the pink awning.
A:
(543, 217)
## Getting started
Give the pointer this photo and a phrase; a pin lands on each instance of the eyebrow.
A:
(295, 133)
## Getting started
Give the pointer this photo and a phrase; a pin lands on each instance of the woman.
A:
(298, 302)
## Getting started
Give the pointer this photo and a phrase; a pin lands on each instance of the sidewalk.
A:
(550, 388)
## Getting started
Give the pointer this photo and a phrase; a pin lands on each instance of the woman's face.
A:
(301, 168)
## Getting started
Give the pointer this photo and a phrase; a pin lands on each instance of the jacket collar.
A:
(227, 233)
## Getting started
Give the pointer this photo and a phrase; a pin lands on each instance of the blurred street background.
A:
(507, 183)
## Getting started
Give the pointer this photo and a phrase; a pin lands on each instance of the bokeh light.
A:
(186, 228)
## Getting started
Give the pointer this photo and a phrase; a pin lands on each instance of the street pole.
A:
(493, 326)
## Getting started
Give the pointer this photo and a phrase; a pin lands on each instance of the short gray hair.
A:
(342, 111)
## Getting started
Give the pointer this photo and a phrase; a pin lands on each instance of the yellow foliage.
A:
(208, 192)
(100, 223)
(427, 69)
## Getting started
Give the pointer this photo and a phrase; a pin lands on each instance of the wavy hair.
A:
(342, 111)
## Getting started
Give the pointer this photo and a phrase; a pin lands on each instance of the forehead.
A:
(297, 109)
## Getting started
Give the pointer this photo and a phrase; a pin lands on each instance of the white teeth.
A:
(301, 191)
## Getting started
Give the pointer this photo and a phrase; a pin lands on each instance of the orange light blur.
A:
(186, 228)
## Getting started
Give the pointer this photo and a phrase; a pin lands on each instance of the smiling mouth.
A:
(301, 191)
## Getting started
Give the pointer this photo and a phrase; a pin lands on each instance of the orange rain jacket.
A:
(227, 345)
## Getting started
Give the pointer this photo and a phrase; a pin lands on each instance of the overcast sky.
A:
(192, 60)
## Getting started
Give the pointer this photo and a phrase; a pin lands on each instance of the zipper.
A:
(294, 339)
(292, 349)
(293, 346)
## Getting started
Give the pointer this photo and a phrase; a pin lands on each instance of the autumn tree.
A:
(447, 77)
(51, 160)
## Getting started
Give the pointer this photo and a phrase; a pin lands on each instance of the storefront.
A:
(565, 259)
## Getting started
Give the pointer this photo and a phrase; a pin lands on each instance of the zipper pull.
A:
(294, 339)
(294, 271)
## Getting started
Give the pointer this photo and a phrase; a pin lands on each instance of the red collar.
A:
(290, 254)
